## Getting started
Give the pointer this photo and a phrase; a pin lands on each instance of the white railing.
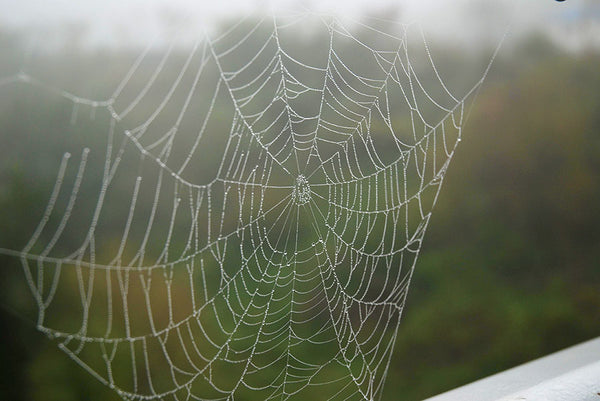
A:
(572, 374)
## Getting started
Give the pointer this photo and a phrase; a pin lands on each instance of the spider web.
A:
(269, 201)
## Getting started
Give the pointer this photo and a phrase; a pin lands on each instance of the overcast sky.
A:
(110, 21)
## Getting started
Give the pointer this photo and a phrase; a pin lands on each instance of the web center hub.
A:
(302, 193)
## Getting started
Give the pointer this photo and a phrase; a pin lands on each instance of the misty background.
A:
(509, 269)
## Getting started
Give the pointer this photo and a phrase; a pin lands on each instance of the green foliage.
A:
(509, 269)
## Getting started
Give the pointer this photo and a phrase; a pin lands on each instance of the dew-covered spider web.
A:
(241, 219)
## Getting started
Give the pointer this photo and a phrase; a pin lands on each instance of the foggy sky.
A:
(111, 22)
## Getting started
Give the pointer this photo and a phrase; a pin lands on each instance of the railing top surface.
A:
(575, 369)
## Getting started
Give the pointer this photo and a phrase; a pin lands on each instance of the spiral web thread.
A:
(280, 273)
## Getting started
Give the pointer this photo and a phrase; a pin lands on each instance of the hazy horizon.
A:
(574, 24)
